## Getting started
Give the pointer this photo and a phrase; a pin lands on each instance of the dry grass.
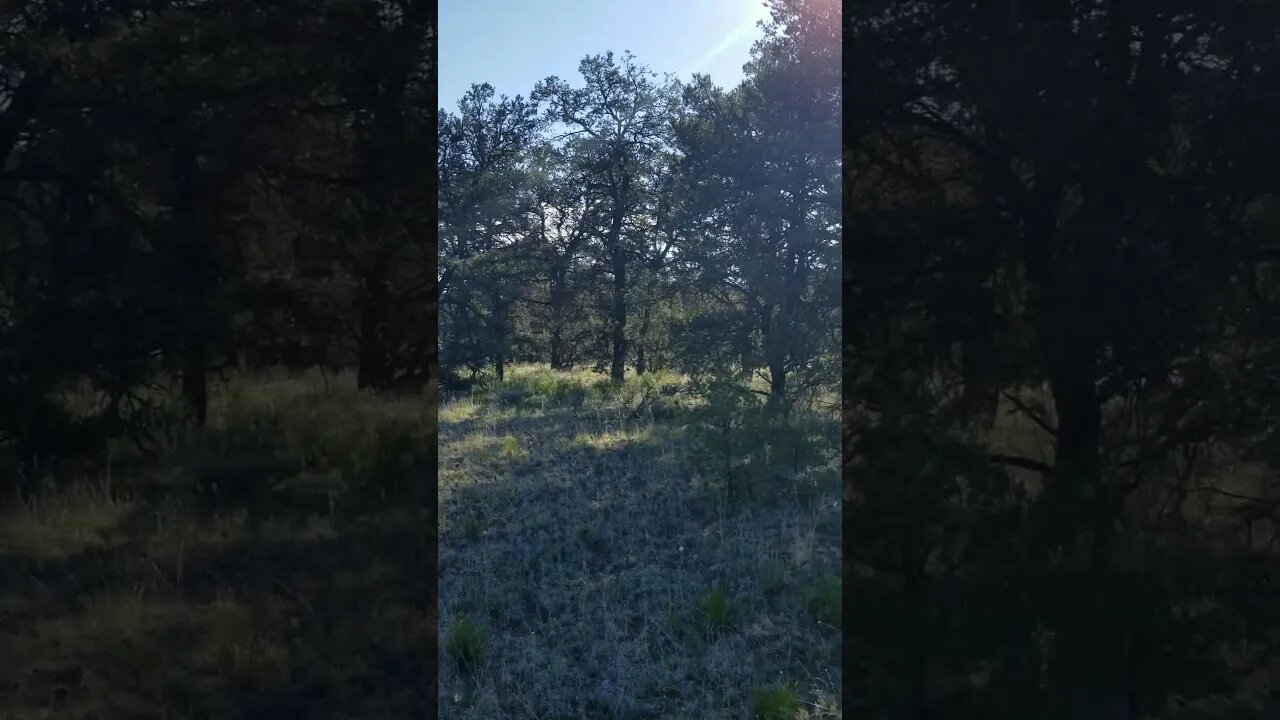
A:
(607, 579)
(119, 604)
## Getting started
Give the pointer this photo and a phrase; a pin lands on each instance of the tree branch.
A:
(1022, 407)
(1021, 462)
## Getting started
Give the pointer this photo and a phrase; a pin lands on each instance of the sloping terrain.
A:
(594, 563)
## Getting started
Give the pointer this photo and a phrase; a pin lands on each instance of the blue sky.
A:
(512, 44)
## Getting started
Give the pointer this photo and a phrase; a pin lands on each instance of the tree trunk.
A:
(618, 336)
(194, 261)
(1077, 454)
(195, 378)
(641, 364)
(432, 370)
(775, 357)
(373, 371)
(977, 354)
(777, 380)
(559, 359)
(498, 335)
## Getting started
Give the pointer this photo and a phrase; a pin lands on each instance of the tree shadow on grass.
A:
(616, 510)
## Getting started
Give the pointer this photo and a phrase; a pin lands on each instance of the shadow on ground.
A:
(334, 625)
(585, 542)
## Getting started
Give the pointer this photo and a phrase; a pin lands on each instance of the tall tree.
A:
(483, 150)
(764, 163)
(1057, 196)
(622, 117)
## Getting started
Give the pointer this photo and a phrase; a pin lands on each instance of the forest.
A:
(217, 328)
(639, 389)
(1061, 359)
(643, 417)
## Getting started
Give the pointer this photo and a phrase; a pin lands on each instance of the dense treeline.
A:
(216, 222)
(193, 186)
(628, 223)
(1061, 358)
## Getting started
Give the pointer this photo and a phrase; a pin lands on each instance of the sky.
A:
(512, 44)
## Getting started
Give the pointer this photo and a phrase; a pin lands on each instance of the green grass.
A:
(625, 587)
(132, 606)
(777, 702)
(466, 643)
(716, 610)
(824, 600)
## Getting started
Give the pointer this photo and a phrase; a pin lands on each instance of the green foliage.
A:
(530, 386)
(775, 702)
(555, 388)
(749, 445)
(716, 609)
(466, 642)
(699, 142)
(823, 600)
(510, 448)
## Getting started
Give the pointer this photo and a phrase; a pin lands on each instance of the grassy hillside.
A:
(630, 552)
(121, 602)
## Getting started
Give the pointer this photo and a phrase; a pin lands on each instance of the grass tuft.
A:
(776, 702)
(716, 609)
(466, 642)
(824, 600)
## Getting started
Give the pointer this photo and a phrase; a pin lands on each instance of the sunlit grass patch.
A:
(476, 444)
(63, 524)
(612, 439)
(459, 410)
(509, 448)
